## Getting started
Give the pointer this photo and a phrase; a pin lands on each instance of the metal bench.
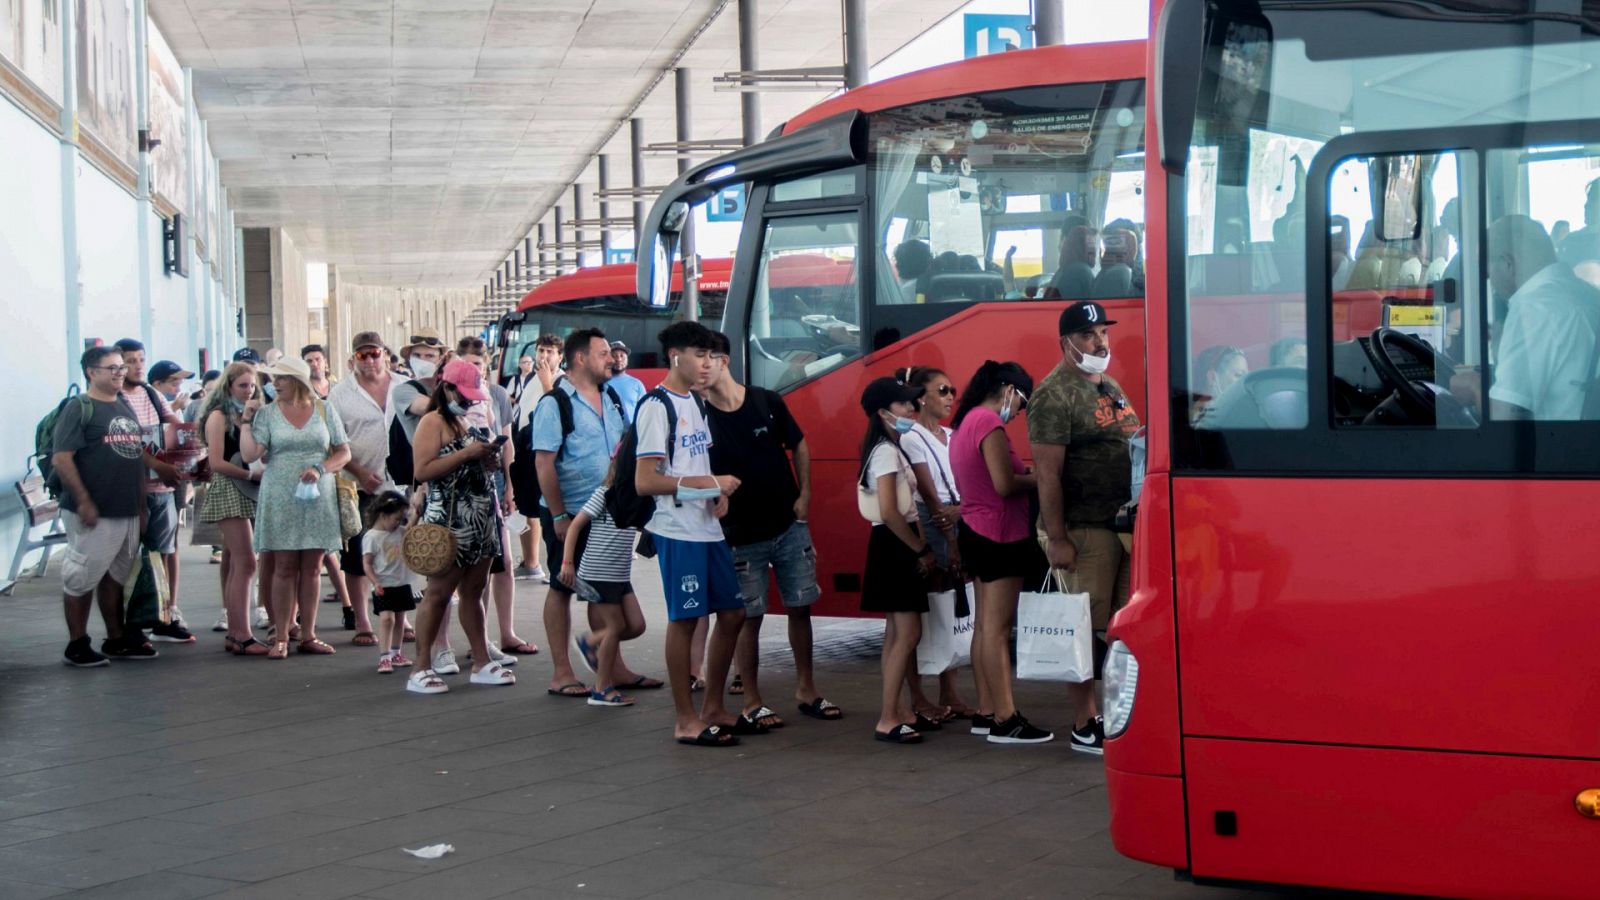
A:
(37, 509)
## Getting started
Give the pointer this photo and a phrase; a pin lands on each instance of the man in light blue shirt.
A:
(629, 388)
(571, 466)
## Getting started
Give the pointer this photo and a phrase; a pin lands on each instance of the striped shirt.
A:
(608, 555)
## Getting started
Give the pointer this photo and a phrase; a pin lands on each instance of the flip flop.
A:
(522, 649)
(644, 683)
(760, 714)
(743, 724)
(696, 685)
(900, 734)
(574, 689)
(365, 639)
(711, 737)
(737, 687)
(822, 709)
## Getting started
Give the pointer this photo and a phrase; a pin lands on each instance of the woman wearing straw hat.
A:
(297, 516)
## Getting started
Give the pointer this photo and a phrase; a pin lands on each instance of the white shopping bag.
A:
(946, 638)
(1055, 637)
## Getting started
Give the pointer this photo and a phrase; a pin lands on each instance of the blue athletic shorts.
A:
(697, 577)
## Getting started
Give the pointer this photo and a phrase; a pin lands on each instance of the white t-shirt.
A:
(886, 459)
(923, 446)
(388, 559)
(683, 521)
(1547, 351)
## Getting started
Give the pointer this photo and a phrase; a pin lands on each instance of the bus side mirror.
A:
(1230, 50)
(663, 245)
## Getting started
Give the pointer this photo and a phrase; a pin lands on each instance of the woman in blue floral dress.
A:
(455, 460)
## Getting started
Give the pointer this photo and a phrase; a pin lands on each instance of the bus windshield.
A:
(1422, 182)
(1031, 192)
(623, 317)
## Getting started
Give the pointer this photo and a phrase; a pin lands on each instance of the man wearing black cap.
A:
(629, 388)
(1079, 423)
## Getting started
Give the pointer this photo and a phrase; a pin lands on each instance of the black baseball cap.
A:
(165, 369)
(1081, 316)
(247, 354)
(882, 392)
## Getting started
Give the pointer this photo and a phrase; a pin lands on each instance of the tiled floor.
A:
(200, 774)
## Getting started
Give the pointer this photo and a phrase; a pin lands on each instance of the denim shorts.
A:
(791, 557)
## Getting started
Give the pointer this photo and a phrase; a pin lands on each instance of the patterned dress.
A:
(463, 500)
(283, 521)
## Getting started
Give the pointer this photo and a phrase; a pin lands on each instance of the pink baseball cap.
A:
(464, 377)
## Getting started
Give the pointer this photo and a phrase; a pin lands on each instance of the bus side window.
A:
(805, 317)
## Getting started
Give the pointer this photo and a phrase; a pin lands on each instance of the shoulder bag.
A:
(429, 548)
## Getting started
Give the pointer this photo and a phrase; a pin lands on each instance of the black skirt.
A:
(892, 583)
(988, 560)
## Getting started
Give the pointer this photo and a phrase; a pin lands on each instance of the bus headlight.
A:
(1121, 681)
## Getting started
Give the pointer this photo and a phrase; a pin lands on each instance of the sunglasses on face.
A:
(369, 354)
(945, 390)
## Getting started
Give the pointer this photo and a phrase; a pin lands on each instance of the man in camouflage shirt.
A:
(1079, 423)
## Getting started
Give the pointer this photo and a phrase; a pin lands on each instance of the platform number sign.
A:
(986, 33)
(727, 205)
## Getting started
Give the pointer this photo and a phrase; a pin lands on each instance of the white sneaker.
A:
(222, 622)
(261, 620)
(444, 663)
(540, 575)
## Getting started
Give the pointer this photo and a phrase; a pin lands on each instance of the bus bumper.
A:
(1147, 818)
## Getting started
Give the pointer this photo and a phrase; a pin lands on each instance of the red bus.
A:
(604, 297)
(1313, 682)
(984, 167)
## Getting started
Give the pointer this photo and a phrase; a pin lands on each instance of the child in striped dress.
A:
(601, 556)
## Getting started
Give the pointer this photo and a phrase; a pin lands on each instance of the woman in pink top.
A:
(995, 537)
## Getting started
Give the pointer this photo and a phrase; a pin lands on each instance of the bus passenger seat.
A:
(1074, 281)
(1113, 282)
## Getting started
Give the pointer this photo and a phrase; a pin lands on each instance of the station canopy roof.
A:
(415, 142)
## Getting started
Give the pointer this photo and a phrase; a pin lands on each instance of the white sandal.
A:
(426, 681)
(494, 674)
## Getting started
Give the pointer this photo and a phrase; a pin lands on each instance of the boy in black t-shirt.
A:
(97, 451)
(752, 437)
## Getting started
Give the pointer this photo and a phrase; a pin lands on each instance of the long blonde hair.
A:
(221, 391)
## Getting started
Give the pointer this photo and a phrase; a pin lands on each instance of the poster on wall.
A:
(30, 42)
(169, 169)
(105, 74)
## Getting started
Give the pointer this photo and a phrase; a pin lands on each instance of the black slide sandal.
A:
(711, 737)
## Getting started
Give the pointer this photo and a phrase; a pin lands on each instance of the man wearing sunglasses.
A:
(363, 404)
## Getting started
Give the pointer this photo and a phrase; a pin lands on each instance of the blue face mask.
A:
(235, 405)
(902, 425)
(691, 494)
(269, 390)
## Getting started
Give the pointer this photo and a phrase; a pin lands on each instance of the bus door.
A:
(1381, 542)
(796, 330)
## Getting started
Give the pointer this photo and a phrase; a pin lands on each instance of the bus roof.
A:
(995, 72)
(602, 281)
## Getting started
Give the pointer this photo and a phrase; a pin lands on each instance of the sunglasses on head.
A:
(426, 341)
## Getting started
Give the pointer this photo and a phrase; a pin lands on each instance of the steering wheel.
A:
(1423, 402)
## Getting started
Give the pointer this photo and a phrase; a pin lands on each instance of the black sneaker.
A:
(129, 646)
(172, 633)
(1091, 738)
(80, 655)
(982, 724)
(1017, 730)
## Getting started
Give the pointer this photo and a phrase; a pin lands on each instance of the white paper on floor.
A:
(432, 851)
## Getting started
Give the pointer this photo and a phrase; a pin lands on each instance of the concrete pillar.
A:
(71, 280)
(749, 61)
(577, 231)
(636, 158)
(1049, 23)
(603, 179)
(691, 270)
(856, 62)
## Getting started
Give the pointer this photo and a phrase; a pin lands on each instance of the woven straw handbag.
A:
(430, 549)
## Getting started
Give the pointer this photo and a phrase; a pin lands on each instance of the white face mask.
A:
(423, 368)
(1092, 365)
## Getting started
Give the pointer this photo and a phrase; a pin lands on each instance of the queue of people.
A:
(384, 475)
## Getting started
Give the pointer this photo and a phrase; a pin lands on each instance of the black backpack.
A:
(401, 465)
(628, 508)
(524, 472)
(44, 435)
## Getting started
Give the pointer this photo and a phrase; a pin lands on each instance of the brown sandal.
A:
(247, 647)
(316, 647)
(278, 651)
(365, 639)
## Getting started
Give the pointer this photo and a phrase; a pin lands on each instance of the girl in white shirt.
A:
(394, 587)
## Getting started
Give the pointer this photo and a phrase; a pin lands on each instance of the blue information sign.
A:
(727, 205)
(986, 33)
